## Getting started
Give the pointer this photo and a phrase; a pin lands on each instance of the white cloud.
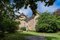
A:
(41, 8)
(27, 11)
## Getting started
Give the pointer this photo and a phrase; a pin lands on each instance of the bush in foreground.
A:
(7, 25)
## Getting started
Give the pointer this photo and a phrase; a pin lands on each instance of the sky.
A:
(27, 11)
(54, 7)
(41, 8)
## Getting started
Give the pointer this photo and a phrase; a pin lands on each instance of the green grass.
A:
(14, 36)
(48, 36)
(21, 35)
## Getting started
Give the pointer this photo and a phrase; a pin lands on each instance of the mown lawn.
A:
(21, 35)
(48, 36)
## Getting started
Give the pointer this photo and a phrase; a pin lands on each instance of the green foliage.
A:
(47, 23)
(58, 22)
(14, 36)
(7, 25)
(23, 28)
(20, 3)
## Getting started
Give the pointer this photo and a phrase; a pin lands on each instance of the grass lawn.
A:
(14, 36)
(48, 36)
(21, 35)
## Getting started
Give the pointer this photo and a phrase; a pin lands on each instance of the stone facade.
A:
(57, 12)
(27, 22)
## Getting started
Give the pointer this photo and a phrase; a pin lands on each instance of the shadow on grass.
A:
(14, 36)
(38, 37)
(51, 38)
(21, 36)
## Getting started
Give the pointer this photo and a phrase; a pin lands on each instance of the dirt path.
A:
(35, 38)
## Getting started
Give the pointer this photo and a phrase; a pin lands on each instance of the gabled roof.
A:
(57, 12)
(23, 15)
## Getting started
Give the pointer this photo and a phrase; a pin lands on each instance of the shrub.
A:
(7, 25)
(47, 23)
(58, 22)
(23, 28)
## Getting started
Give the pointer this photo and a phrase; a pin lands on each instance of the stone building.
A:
(28, 22)
(57, 12)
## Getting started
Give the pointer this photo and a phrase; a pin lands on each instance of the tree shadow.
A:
(38, 37)
(26, 36)
(51, 38)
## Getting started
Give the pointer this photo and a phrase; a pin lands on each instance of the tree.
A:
(7, 25)
(20, 3)
(47, 23)
(8, 10)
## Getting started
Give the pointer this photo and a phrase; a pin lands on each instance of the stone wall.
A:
(30, 24)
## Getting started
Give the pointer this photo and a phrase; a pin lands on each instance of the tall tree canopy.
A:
(7, 12)
(4, 4)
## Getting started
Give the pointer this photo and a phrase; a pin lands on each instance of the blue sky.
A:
(41, 8)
